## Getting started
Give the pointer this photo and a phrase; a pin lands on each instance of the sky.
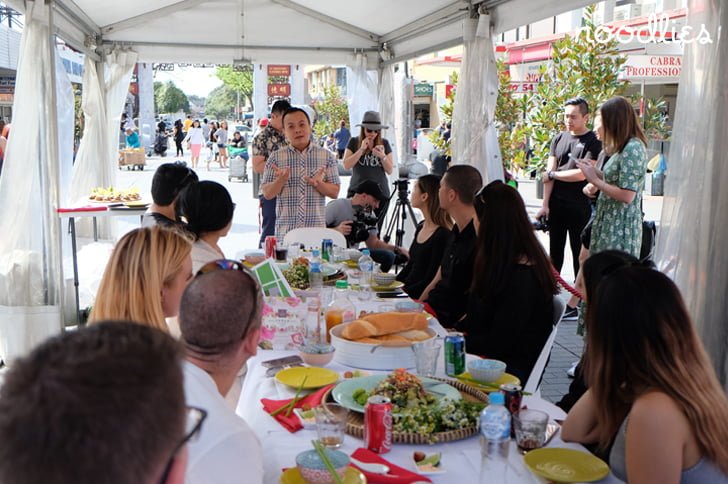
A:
(196, 81)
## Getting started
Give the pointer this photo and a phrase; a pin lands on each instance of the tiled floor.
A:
(567, 349)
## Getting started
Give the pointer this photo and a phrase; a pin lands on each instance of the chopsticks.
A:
(477, 384)
(321, 450)
(289, 406)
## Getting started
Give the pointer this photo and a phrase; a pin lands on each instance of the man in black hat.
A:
(354, 217)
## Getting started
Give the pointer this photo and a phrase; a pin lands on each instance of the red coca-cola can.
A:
(270, 246)
(513, 396)
(378, 424)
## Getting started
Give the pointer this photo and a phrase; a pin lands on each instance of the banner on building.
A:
(656, 68)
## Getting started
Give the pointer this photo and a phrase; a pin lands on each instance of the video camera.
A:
(541, 224)
(402, 186)
(364, 221)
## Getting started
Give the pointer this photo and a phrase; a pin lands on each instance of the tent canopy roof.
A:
(285, 31)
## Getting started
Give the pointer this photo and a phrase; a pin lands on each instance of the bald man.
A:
(219, 337)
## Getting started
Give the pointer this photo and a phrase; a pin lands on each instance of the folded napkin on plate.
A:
(292, 422)
(397, 475)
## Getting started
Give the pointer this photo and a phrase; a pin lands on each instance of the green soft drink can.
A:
(454, 353)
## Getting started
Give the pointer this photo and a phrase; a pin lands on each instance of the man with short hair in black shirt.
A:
(564, 203)
(447, 294)
(167, 183)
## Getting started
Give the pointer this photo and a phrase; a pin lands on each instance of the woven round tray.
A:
(355, 420)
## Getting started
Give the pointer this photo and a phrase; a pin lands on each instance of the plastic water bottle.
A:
(366, 267)
(495, 436)
(315, 276)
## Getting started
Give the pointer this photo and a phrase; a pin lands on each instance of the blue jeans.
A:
(268, 207)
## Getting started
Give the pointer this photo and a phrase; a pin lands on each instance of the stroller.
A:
(238, 163)
(161, 144)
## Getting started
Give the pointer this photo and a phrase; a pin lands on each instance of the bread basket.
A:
(370, 356)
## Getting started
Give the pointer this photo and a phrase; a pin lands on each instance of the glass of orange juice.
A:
(334, 317)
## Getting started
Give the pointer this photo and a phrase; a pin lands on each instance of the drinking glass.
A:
(293, 250)
(530, 428)
(331, 424)
(426, 355)
(338, 253)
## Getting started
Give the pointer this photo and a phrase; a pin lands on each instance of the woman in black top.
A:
(430, 238)
(510, 306)
(179, 135)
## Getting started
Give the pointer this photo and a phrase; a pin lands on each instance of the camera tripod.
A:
(401, 208)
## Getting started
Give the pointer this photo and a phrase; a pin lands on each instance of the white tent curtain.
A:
(361, 91)
(66, 121)
(88, 170)
(29, 247)
(386, 111)
(692, 234)
(474, 137)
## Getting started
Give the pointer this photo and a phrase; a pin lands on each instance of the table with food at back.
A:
(460, 459)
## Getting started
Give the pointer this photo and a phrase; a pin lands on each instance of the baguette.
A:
(384, 323)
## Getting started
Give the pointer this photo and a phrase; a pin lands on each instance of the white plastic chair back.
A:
(312, 237)
(534, 378)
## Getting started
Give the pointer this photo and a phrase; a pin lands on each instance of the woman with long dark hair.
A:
(510, 304)
(653, 391)
(430, 239)
(209, 209)
(179, 136)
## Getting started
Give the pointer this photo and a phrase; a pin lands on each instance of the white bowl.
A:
(383, 278)
(486, 371)
(353, 254)
(372, 357)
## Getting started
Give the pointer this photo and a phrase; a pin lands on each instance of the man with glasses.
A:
(104, 403)
(220, 320)
(167, 183)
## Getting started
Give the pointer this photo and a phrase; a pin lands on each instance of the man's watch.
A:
(550, 175)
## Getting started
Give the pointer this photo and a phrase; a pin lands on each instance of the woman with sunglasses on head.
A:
(369, 157)
(208, 208)
(144, 278)
(430, 239)
(510, 304)
(653, 391)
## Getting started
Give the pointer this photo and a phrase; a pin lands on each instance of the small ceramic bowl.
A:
(383, 278)
(319, 354)
(353, 254)
(409, 307)
(314, 471)
(486, 371)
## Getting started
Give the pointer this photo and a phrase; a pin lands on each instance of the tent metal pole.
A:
(50, 178)
(457, 10)
(352, 29)
(190, 45)
(152, 15)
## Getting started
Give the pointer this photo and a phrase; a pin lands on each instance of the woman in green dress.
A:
(618, 221)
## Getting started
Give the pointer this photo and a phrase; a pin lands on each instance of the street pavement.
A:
(244, 237)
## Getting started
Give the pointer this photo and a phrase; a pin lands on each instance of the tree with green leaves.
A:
(441, 144)
(239, 79)
(510, 114)
(581, 65)
(330, 110)
(168, 98)
(220, 103)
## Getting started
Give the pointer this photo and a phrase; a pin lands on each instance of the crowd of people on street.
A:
(474, 262)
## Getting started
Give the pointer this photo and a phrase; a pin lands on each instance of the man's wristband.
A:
(550, 175)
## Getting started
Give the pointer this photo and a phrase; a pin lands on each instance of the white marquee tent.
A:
(114, 35)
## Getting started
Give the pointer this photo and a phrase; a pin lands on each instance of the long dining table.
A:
(461, 459)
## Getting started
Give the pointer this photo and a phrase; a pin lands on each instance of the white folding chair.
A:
(534, 379)
(312, 237)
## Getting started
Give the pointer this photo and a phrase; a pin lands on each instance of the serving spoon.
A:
(370, 466)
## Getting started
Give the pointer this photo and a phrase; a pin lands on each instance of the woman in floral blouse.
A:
(618, 221)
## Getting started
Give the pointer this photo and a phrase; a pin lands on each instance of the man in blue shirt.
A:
(342, 136)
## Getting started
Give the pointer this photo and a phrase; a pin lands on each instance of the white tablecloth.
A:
(461, 459)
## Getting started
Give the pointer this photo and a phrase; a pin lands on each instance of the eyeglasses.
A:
(233, 265)
(372, 130)
(193, 424)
